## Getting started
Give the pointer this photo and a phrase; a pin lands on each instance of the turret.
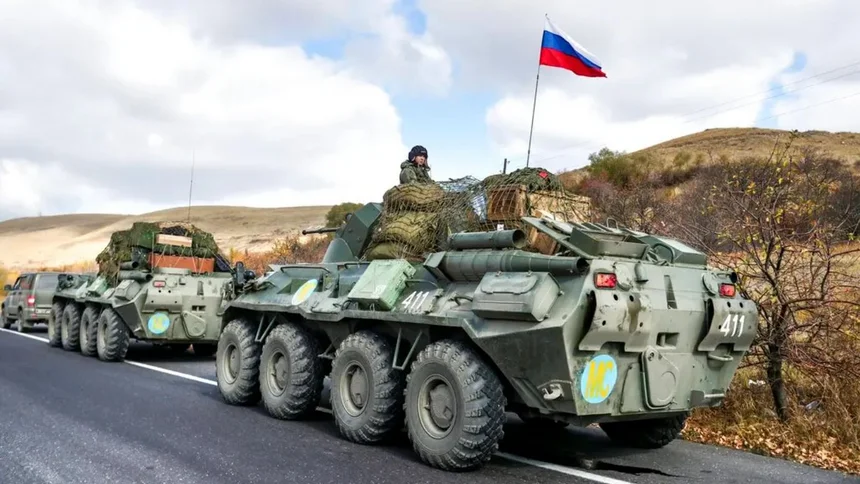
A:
(351, 238)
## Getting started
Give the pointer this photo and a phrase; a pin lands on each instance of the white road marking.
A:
(522, 460)
(564, 470)
(25, 335)
(171, 372)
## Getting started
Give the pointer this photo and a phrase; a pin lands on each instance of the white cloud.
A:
(108, 105)
(665, 62)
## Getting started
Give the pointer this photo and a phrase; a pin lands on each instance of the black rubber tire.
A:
(479, 403)
(5, 322)
(112, 337)
(304, 383)
(89, 329)
(70, 327)
(204, 349)
(245, 389)
(54, 319)
(646, 434)
(20, 325)
(382, 413)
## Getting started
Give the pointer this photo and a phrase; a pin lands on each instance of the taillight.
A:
(157, 283)
(31, 301)
(727, 290)
(605, 280)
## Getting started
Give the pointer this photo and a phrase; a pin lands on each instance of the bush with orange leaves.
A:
(290, 249)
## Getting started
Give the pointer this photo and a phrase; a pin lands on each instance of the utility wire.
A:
(804, 108)
(563, 151)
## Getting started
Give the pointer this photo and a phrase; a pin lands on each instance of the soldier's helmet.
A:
(417, 150)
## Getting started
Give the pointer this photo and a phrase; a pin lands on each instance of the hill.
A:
(684, 154)
(69, 239)
(756, 142)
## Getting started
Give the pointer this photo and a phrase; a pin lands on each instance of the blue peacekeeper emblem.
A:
(598, 378)
(158, 323)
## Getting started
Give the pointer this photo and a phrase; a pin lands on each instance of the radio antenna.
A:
(191, 184)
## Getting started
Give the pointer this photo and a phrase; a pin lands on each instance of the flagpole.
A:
(534, 103)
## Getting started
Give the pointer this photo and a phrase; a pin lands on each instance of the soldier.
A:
(415, 169)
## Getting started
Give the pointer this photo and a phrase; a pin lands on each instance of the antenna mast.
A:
(191, 184)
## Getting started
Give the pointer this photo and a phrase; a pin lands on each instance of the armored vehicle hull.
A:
(619, 328)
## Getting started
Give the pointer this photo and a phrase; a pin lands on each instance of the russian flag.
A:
(557, 49)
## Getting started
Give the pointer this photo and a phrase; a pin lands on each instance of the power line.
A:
(568, 148)
(775, 96)
(804, 108)
(775, 88)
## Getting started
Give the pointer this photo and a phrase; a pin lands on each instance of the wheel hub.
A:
(437, 410)
(230, 364)
(353, 389)
(278, 372)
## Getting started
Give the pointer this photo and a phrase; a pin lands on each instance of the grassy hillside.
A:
(69, 239)
(680, 157)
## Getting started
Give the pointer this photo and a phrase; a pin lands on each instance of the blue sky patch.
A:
(777, 92)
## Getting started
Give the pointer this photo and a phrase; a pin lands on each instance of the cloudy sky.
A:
(104, 103)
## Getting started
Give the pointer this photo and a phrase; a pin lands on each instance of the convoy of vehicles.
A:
(616, 327)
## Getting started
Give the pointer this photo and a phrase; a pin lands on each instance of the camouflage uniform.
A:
(411, 172)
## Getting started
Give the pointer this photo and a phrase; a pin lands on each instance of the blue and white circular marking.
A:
(304, 292)
(598, 378)
(158, 323)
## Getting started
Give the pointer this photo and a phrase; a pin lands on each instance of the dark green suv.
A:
(28, 301)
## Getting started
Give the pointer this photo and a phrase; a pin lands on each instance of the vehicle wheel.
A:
(111, 337)
(70, 327)
(204, 349)
(89, 331)
(646, 434)
(291, 377)
(54, 337)
(366, 391)
(5, 322)
(20, 324)
(237, 364)
(455, 407)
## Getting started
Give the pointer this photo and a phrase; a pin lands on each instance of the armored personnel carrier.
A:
(597, 324)
(160, 283)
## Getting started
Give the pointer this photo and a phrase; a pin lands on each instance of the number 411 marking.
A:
(734, 323)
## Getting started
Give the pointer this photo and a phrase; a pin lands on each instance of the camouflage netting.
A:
(418, 218)
(138, 242)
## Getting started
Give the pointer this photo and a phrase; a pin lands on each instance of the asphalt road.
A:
(66, 418)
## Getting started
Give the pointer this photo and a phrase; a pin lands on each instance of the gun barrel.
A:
(320, 231)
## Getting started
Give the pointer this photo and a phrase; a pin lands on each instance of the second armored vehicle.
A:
(159, 283)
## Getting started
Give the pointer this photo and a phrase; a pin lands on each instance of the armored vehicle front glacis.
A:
(554, 320)
(161, 283)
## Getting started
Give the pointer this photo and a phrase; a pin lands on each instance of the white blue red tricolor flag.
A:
(559, 50)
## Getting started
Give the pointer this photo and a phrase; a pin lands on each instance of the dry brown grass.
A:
(68, 239)
(822, 432)
(712, 145)
(740, 142)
